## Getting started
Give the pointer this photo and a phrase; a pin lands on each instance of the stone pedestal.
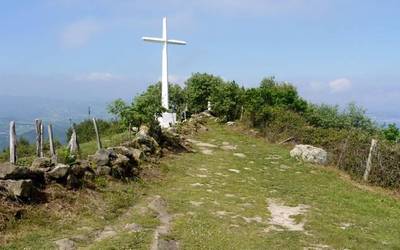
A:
(167, 119)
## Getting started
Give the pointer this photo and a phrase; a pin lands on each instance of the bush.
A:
(227, 101)
(391, 133)
(260, 102)
(147, 106)
(328, 116)
(198, 89)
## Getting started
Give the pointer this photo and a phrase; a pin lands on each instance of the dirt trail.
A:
(159, 205)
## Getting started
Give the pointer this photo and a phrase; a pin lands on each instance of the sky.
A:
(333, 51)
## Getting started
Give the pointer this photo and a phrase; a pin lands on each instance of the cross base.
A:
(167, 120)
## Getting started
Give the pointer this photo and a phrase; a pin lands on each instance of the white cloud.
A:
(98, 77)
(340, 85)
(77, 34)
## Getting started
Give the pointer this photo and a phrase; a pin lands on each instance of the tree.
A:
(146, 107)
(392, 133)
(261, 101)
(199, 88)
(227, 100)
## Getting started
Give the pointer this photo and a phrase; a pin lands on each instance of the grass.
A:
(211, 203)
(372, 217)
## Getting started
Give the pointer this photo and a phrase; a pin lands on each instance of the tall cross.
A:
(165, 41)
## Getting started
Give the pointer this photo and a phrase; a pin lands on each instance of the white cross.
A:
(165, 41)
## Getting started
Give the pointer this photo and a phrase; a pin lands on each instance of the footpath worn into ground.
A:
(238, 192)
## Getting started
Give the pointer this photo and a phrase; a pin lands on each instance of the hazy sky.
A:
(334, 51)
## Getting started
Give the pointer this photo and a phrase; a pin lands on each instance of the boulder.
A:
(310, 153)
(121, 161)
(42, 162)
(65, 244)
(135, 155)
(103, 170)
(146, 143)
(102, 157)
(174, 141)
(20, 188)
(73, 181)
(60, 171)
(80, 169)
(9, 171)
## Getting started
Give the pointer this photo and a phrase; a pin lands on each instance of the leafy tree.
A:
(147, 106)
(356, 118)
(227, 100)
(260, 102)
(392, 133)
(199, 88)
(325, 116)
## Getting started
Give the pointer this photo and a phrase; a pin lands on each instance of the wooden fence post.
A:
(39, 137)
(369, 160)
(73, 144)
(13, 143)
(99, 146)
(51, 143)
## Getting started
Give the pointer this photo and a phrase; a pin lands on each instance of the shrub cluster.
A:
(280, 113)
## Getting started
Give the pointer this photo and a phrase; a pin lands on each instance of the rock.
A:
(101, 157)
(121, 161)
(135, 228)
(144, 130)
(137, 155)
(60, 171)
(73, 181)
(135, 129)
(310, 153)
(146, 143)
(65, 244)
(9, 171)
(134, 154)
(106, 233)
(89, 176)
(20, 188)
(173, 141)
(103, 170)
(230, 123)
(78, 170)
(42, 162)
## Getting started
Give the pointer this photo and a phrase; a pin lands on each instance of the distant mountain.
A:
(24, 110)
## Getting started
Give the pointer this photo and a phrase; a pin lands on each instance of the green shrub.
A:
(198, 89)
(147, 106)
(227, 100)
(391, 133)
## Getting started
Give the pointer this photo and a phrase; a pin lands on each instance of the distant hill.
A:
(24, 110)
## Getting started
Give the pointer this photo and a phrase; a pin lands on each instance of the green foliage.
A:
(327, 116)
(227, 100)
(199, 88)
(147, 106)
(260, 102)
(64, 156)
(85, 129)
(391, 133)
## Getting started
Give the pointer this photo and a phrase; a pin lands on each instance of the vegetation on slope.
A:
(219, 199)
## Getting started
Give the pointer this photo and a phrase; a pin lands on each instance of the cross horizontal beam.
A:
(161, 40)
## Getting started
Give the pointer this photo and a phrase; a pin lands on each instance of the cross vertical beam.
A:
(164, 80)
